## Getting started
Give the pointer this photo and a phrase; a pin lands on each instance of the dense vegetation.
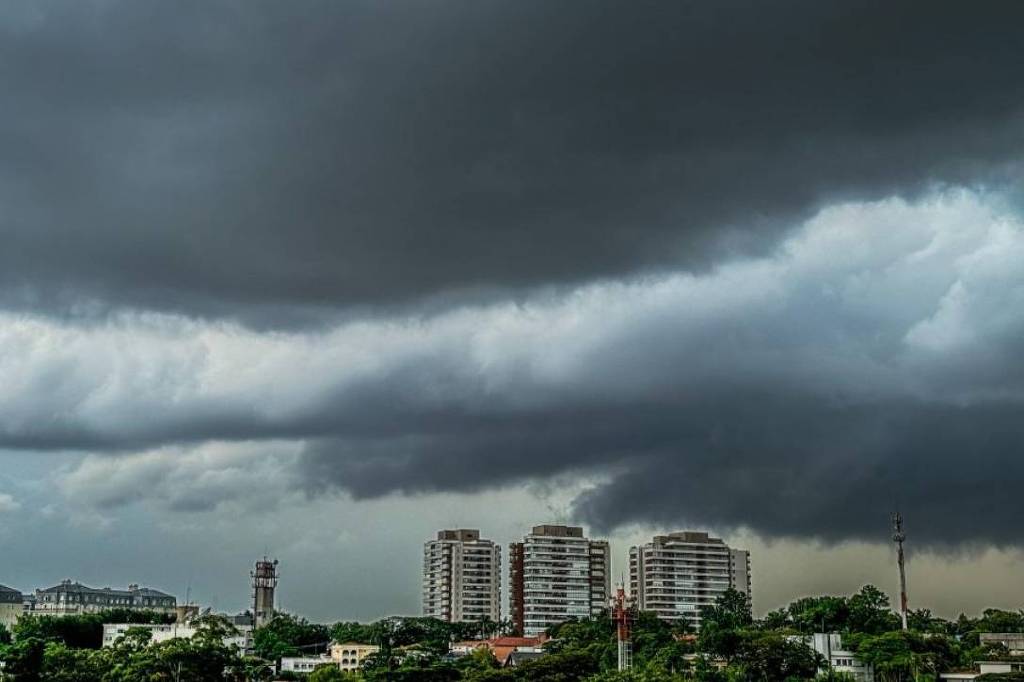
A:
(731, 646)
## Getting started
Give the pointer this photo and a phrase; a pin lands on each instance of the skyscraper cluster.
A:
(556, 573)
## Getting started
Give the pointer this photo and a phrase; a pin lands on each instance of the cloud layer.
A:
(281, 164)
(867, 363)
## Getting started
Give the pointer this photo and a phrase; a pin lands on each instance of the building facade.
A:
(241, 640)
(12, 605)
(678, 574)
(349, 656)
(304, 664)
(836, 659)
(72, 598)
(461, 577)
(556, 574)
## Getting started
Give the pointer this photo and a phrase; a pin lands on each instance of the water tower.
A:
(264, 581)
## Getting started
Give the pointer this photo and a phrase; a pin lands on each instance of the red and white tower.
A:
(621, 617)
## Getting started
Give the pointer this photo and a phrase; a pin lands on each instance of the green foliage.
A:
(287, 635)
(776, 657)
(5, 635)
(84, 631)
(731, 647)
(730, 611)
(328, 673)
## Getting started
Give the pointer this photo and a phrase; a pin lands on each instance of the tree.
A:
(820, 614)
(896, 656)
(870, 613)
(327, 673)
(286, 635)
(23, 660)
(775, 657)
(730, 611)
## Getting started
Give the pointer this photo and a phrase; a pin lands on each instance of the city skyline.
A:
(315, 279)
(819, 564)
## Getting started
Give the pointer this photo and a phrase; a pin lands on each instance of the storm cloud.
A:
(285, 164)
(755, 268)
(873, 347)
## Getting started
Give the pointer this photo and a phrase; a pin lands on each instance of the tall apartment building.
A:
(461, 577)
(675, 575)
(555, 574)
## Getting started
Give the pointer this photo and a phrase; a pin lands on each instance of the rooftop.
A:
(75, 587)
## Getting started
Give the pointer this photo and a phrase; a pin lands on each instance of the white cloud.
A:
(8, 503)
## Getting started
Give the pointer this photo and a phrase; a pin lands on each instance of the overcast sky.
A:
(316, 279)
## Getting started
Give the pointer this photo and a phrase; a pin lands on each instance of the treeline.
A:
(67, 649)
(731, 646)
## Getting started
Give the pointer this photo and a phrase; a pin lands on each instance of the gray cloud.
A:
(866, 364)
(281, 163)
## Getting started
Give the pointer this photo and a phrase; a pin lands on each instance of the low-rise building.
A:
(304, 664)
(501, 647)
(12, 605)
(985, 668)
(72, 598)
(838, 659)
(1013, 641)
(162, 632)
(350, 655)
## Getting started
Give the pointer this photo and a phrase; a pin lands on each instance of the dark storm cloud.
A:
(281, 161)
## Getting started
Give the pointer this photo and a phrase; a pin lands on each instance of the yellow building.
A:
(350, 655)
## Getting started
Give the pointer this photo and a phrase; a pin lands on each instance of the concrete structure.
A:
(461, 577)
(739, 571)
(985, 668)
(264, 582)
(830, 647)
(163, 632)
(501, 647)
(72, 598)
(678, 574)
(12, 605)
(556, 574)
(1013, 641)
(350, 655)
(304, 664)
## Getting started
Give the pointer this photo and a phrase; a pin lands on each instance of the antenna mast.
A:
(898, 536)
(621, 617)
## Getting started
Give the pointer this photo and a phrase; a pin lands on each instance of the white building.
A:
(12, 605)
(678, 574)
(830, 647)
(461, 577)
(985, 668)
(1013, 641)
(556, 574)
(163, 632)
(304, 664)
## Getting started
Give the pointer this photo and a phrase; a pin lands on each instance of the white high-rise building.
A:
(556, 574)
(461, 577)
(676, 575)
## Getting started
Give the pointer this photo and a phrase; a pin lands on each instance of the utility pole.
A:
(898, 536)
(621, 616)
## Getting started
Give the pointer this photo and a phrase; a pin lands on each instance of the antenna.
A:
(621, 617)
(898, 536)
